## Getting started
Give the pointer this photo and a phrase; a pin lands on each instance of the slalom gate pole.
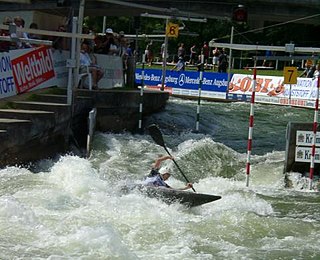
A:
(199, 91)
(141, 92)
(251, 118)
(315, 125)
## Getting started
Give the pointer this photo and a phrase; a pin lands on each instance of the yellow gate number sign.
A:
(290, 75)
(172, 30)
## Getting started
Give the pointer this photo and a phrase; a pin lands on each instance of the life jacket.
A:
(154, 179)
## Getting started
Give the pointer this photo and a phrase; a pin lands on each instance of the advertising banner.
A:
(270, 89)
(303, 154)
(186, 83)
(33, 70)
(59, 63)
(112, 69)
(7, 85)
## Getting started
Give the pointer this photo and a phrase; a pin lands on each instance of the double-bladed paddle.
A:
(157, 137)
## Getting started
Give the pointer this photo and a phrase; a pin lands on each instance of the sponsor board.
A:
(25, 70)
(34, 69)
(112, 69)
(7, 84)
(186, 83)
(305, 138)
(59, 63)
(269, 89)
(303, 154)
(273, 86)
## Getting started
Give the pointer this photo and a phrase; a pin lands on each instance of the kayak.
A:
(187, 198)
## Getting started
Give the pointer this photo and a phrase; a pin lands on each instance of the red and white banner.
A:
(266, 85)
(33, 69)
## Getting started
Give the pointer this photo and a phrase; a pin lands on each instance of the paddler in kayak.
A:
(157, 179)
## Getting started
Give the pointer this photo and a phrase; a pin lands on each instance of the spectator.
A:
(5, 45)
(309, 70)
(317, 71)
(110, 44)
(181, 51)
(33, 36)
(123, 45)
(149, 53)
(60, 43)
(193, 55)
(162, 49)
(206, 52)
(223, 62)
(180, 66)
(98, 46)
(19, 22)
(215, 58)
(87, 59)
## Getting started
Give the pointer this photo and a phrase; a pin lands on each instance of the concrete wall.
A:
(42, 125)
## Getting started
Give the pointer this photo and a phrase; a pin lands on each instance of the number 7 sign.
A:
(290, 75)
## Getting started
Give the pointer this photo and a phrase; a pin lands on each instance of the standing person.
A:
(193, 54)
(206, 52)
(223, 62)
(157, 179)
(215, 58)
(149, 53)
(317, 71)
(162, 49)
(181, 51)
(60, 43)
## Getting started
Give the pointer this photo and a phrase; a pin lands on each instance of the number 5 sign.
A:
(172, 30)
(290, 75)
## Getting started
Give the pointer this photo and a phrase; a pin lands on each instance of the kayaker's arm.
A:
(160, 160)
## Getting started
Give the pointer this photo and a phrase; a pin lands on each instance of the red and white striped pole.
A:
(251, 123)
(315, 125)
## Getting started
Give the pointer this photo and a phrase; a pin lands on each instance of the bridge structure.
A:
(258, 11)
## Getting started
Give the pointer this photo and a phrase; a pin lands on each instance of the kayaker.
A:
(157, 179)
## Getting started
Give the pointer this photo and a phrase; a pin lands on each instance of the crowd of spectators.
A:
(216, 59)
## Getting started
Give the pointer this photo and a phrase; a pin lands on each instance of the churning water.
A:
(73, 208)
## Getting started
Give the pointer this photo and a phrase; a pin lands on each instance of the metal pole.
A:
(78, 45)
(104, 24)
(230, 59)
(91, 127)
(71, 62)
(315, 125)
(251, 119)
(199, 91)
(141, 92)
(164, 62)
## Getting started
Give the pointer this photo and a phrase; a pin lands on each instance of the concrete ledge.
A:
(45, 126)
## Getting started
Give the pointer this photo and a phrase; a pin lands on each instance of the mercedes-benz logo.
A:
(182, 79)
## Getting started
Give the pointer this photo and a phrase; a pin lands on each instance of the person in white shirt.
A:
(157, 179)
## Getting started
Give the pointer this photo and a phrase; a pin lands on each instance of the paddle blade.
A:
(156, 134)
